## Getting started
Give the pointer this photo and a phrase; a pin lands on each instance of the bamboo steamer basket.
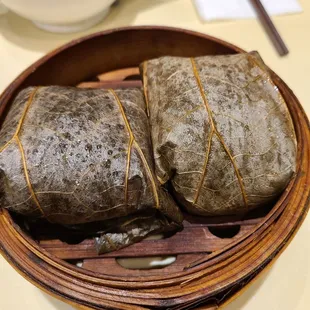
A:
(216, 258)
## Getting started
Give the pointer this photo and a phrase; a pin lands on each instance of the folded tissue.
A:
(235, 9)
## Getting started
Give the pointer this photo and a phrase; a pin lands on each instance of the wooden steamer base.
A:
(216, 257)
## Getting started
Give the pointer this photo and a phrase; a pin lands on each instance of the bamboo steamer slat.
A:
(208, 272)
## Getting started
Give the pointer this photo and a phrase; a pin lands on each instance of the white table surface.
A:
(286, 285)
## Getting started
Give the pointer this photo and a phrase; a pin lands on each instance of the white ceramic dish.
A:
(61, 15)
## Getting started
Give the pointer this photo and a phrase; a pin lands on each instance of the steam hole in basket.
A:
(146, 262)
(79, 264)
(225, 232)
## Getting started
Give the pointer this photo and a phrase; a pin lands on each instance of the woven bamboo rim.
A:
(211, 280)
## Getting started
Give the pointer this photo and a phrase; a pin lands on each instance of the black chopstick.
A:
(270, 28)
